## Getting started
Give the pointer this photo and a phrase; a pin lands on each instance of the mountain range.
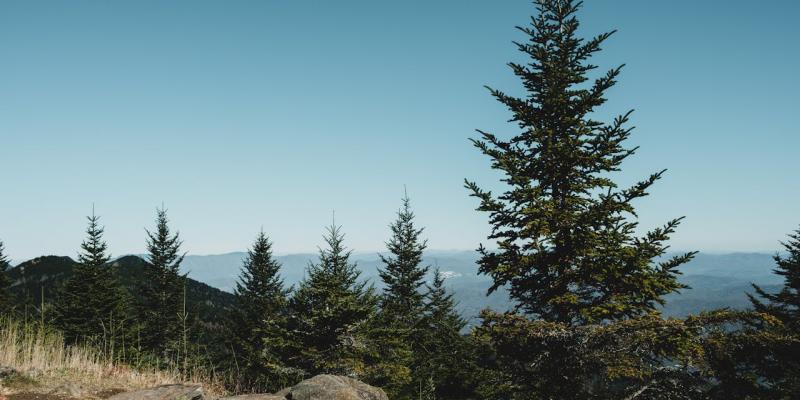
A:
(715, 280)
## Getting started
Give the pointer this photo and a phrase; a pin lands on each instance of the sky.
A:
(238, 115)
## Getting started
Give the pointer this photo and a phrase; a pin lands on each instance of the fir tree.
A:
(404, 274)
(440, 307)
(330, 313)
(395, 330)
(565, 232)
(162, 289)
(92, 305)
(260, 319)
(786, 303)
(6, 304)
(443, 353)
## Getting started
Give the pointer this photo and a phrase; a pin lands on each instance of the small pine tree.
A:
(6, 304)
(786, 303)
(441, 307)
(330, 313)
(92, 304)
(260, 319)
(161, 290)
(443, 352)
(567, 247)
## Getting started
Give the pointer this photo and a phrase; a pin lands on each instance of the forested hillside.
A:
(37, 279)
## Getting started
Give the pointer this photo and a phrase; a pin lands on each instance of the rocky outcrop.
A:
(320, 387)
(72, 390)
(332, 387)
(165, 392)
(323, 387)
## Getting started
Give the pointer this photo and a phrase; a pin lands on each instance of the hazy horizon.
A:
(362, 253)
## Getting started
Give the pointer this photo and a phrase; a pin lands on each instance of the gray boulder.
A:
(164, 392)
(322, 387)
(332, 387)
(70, 389)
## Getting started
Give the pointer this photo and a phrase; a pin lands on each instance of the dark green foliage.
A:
(259, 321)
(161, 290)
(717, 355)
(404, 273)
(331, 309)
(6, 304)
(387, 355)
(443, 356)
(37, 279)
(756, 358)
(565, 232)
(210, 303)
(761, 360)
(785, 304)
(397, 327)
(92, 304)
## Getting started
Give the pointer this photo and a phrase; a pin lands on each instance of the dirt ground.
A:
(25, 395)
(35, 396)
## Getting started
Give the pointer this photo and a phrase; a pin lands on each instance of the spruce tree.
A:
(330, 310)
(786, 303)
(395, 331)
(443, 354)
(404, 273)
(92, 305)
(566, 242)
(6, 304)
(162, 289)
(259, 321)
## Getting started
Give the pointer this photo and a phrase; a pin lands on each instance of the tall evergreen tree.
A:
(395, 332)
(786, 303)
(260, 319)
(330, 310)
(404, 273)
(92, 304)
(565, 232)
(162, 289)
(6, 304)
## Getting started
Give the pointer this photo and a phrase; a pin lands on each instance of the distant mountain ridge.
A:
(716, 280)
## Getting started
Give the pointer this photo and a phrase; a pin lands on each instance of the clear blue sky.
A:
(238, 114)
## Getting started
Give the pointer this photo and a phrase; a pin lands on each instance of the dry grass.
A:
(43, 358)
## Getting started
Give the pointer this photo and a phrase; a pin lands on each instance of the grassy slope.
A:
(43, 364)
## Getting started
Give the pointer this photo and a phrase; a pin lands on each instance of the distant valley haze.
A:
(716, 280)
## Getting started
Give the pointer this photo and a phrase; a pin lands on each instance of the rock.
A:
(332, 387)
(106, 393)
(7, 372)
(69, 389)
(164, 392)
(12, 377)
(322, 387)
